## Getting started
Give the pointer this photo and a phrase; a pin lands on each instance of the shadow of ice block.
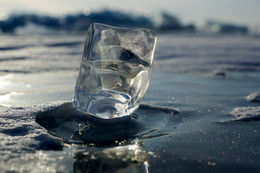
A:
(115, 70)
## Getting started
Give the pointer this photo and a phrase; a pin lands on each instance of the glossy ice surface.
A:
(115, 70)
(203, 137)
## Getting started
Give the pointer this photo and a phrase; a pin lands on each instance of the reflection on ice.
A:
(6, 97)
(4, 81)
(130, 158)
(9, 90)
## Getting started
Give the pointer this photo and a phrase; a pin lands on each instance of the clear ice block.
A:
(115, 70)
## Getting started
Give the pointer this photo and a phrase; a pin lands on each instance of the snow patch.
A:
(246, 113)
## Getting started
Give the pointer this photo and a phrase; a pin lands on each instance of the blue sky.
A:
(195, 11)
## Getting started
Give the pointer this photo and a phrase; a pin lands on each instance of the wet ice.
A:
(115, 70)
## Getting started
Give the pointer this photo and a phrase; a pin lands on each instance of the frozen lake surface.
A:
(204, 77)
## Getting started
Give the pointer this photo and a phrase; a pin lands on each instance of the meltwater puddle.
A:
(76, 127)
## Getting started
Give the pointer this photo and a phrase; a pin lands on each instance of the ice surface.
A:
(115, 70)
(21, 137)
(246, 113)
(254, 97)
(204, 133)
(27, 146)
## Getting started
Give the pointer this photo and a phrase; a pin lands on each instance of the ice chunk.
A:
(130, 158)
(115, 70)
(246, 113)
(254, 97)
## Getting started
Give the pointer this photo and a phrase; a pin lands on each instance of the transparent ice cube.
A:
(115, 70)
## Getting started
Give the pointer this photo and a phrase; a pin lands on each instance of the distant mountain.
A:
(225, 28)
(170, 23)
(43, 24)
(80, 22)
